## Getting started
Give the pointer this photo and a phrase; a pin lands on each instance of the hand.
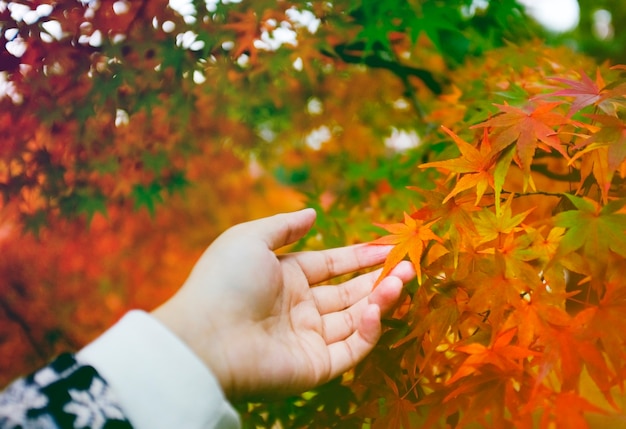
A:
(256, 321)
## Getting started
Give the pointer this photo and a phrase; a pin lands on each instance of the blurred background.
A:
(133, 133)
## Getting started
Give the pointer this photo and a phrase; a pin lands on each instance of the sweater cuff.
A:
(159, 381)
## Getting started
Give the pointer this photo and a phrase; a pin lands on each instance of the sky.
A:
(556, 15)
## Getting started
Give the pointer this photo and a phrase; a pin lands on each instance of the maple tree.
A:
(133, 133)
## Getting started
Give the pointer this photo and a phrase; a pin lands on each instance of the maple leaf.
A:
(246, 27)
(409, 238)
(605, 151)
(490, 225)
(148, 196)
(568, 411)
(475, 165)
(534, 313)
(568, 349)
(433, 21)
(502, 354)
(85, 203)
(441, 317)
(545, 248)
(455, 222)
(515, 251)
(606, 319)
(397, 407)
(489, 395)
(598, 230)
(585, 92)
(530, 129)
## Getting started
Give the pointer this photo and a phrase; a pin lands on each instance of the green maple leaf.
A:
(83, 201)
(597, 230)
(155, 162)
(92, 204)
(35, 222)
(147, 196)
(435, 19)
(176, 182)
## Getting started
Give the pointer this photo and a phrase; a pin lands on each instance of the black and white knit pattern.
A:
(64, 394)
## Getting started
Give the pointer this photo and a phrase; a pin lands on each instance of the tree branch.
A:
(351, 54)
(16, 318)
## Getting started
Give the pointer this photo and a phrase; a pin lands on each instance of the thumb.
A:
(285, 228)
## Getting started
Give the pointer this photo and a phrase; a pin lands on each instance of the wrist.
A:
(200, 338)
(158, 381)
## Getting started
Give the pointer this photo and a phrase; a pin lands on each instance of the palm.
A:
(268, 331)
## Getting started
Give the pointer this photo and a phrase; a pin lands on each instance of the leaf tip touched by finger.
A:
(410, 238)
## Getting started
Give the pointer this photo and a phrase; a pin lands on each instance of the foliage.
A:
(492, 161)
(525, 281)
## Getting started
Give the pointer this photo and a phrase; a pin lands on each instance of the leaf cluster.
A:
(498, 172)
(519, 249)
(104, 88)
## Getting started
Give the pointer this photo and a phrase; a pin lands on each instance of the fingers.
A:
(320, 266)
(338, 325)
(281, 229)
(335, 298)
(347, 353)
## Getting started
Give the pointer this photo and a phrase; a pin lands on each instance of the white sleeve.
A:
(158, 380)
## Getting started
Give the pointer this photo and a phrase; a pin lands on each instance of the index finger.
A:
(322, 265)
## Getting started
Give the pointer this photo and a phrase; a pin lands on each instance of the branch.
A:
(351, 54)
(15, 317)
(528, 194)
(411, 93)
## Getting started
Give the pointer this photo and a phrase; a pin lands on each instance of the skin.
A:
(255, 320)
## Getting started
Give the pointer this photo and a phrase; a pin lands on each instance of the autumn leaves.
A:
(509, 238)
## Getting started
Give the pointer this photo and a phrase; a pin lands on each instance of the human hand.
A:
(256, 321)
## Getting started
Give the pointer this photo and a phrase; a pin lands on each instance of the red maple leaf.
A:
(585, 92)
(529, 128)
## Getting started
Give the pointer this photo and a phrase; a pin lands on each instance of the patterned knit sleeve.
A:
(64, 394)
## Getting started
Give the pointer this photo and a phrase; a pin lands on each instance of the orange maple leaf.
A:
(246, 26)
(474, 164)
(502, 354)
(606, 324)
(409, 238)
(568, 411)
(398, 408)
(608, 150)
